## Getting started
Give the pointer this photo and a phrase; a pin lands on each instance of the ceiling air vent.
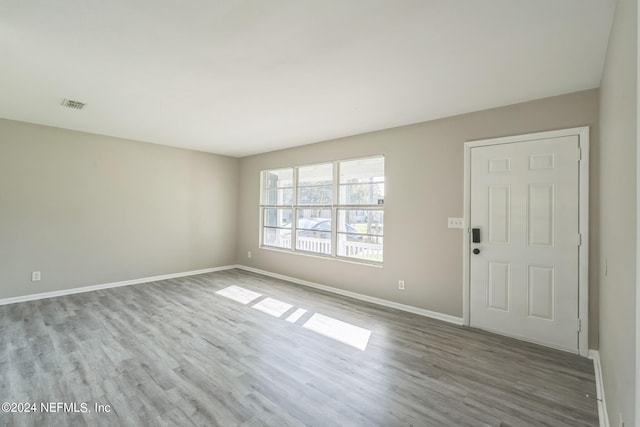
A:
(76, 105)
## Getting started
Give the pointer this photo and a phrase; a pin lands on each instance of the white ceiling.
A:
(240, 77)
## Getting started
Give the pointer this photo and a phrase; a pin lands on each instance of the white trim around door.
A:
(583, 256)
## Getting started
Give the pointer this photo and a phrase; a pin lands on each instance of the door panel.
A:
(541, 292)
(498, 205)
(525, 201)
(499, 285)
(541, 215)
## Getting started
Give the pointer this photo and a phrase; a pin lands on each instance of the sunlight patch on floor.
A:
(272, 307)
(335, 329)
(293, 317)
(241, 295)
(338, 330)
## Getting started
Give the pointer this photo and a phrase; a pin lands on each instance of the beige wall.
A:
(424, 186)
(86, 209)
(618, 214)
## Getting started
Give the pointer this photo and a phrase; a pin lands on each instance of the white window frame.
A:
(275, 206)
(335, 206)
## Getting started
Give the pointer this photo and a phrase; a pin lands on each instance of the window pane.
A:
(313, 230)
(278, 237)
(362, 194)
(315, 175)
(314, 219)
(321, 195)
(351, 247)
(362, 171)
(274, 217)
(278, 196)
(355, 222)
(321, 245)
(315, 184)
(278, 178)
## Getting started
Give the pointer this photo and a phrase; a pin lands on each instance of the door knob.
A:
(476, 251)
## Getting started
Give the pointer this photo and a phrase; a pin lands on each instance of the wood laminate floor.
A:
(176, 353)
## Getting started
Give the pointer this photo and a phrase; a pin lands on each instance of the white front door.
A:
(524, 269)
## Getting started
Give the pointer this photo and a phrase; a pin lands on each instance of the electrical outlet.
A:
(455, 222)
(35, 276)
(401, 285)
(249, 254)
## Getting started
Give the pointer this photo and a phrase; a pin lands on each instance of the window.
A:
(360, 214)
(315, 193)
(300, 205)
(277, 193)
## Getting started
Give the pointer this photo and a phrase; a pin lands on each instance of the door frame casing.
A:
(583, 221)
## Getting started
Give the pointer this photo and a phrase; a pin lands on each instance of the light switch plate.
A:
(456, 222)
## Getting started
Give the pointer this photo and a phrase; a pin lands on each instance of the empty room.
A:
(319, 213)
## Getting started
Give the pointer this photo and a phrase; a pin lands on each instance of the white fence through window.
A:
(362, 250)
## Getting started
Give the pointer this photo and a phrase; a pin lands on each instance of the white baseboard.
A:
(63, 292)
(362, 297)
(602, 404)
